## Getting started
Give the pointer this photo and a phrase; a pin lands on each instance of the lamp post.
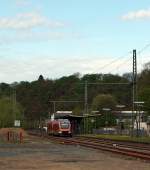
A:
(120, 117)
(138, 115)
(106, 120)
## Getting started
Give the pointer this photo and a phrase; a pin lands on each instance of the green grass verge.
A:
(121, 137)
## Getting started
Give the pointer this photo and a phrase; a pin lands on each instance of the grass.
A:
(122, 137)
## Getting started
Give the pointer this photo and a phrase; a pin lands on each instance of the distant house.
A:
(126, 118)
(148, 125)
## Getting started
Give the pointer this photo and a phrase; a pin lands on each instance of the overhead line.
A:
(144, 48)
(114, 61)
(65, 101)
(111, 83)
(118, 66)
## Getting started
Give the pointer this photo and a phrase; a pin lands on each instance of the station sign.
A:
(17, 123)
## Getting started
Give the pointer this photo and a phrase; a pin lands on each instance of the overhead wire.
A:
(126, 60)
(114, 61)
(122, 63)
(144, 48)
(142, 62)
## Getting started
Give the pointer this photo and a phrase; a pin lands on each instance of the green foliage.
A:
(144, 77)
(103, 101)
(145, 96)
(35, 96)
(128, 76)
(77, 111)
(122, 93)
(5, 89)
(9, 112)
(144, 87)
(105, 120)
(122, 137)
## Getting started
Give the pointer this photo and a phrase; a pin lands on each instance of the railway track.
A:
(128, 149)
(132, 145)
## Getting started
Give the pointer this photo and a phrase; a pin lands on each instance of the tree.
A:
(41, 78)
(103, 101)
(4, 89)
(77, 111)
(9, 112)
(106, 119)
(145, 96)
(128, 76)
(144, 77)
(144, 87)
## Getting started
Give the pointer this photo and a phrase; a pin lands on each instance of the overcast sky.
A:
(61, 37)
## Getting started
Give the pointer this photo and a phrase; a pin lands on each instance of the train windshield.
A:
(64, 125)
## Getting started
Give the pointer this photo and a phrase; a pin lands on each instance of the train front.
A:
(65, 127)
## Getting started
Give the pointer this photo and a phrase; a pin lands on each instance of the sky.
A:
(58, 38)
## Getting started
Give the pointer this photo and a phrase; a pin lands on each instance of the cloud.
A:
(28, 69)
(30, 36)
(28, 21)
(135, 15)
(22, 3)
(36, 36)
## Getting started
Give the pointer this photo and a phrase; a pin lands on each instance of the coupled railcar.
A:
(60, 127)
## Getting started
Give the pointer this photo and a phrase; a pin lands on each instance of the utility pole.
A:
(107, 110)
(138, 116)
(86, 107)
(86, 98)
(134, 89)
(14, 102)
(54, 102)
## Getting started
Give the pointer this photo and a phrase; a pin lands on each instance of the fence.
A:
(126, 132)
(11, 137)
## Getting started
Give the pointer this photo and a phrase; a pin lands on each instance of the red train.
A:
(61, 127)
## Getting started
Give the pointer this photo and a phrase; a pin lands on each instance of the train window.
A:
(64, 125)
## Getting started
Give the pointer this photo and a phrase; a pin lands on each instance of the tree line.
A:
(32, 100)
